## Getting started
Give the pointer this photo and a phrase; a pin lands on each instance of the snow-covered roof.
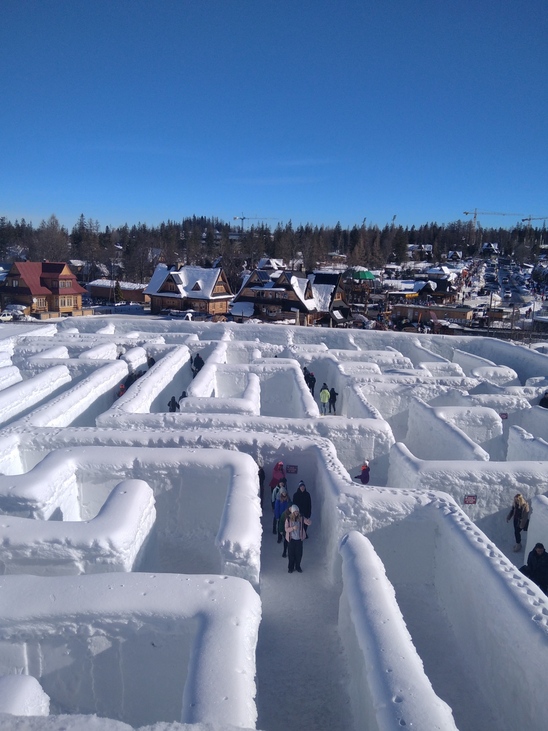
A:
(191, 281)
(112, 283)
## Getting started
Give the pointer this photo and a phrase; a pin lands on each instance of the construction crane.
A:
(477, 213)
(243, 218)
(534, 218)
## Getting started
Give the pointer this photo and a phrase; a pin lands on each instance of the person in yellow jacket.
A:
(324, 398)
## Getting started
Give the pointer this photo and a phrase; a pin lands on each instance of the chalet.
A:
(204, 292)
(280, 296)
(331, 304)
(46, 289)
(275, 296)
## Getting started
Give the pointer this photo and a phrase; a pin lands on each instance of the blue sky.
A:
(309, 110)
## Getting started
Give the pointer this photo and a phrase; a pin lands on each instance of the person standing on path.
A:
(280, 506)
(173, 405)
(324, 399)
(520, 513)
(333, 400)
(303, 501)
(295, 535)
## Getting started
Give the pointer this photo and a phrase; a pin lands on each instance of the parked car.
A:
(6, 317)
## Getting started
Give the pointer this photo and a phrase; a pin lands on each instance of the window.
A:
(14, 282)
(65, 301)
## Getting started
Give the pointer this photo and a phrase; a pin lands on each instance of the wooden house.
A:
(195, 290)
(45, 289)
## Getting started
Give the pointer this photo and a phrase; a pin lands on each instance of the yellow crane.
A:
(477, 213)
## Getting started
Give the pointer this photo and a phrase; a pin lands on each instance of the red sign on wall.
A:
(470, 499)
(503, 416)
(291, 469)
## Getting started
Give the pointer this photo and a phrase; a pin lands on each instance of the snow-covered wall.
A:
(388, 686)
(139, 648)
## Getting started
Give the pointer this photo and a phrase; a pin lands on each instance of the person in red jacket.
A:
(364, 474)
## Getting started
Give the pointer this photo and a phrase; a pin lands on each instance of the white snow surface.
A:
(141, 585)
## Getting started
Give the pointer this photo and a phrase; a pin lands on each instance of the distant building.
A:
(189, 289)
(280, 296)
(43, 288)
(103, 289)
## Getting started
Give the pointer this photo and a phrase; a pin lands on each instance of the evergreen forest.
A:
(136, 249)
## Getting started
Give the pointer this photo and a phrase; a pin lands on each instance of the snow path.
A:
(301, 668)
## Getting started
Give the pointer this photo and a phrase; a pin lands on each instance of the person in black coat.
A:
(332, 400)
(303, 501)
(544, 401)
(196, 364)
(363, 477)
(537, 567)
(173, 405)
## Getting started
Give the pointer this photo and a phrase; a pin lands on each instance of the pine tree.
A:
(118, 296)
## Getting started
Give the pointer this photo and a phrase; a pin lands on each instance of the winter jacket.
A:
(281, 521)
(280, 506)
(333, 396)
(520, 513)
(364, 475)
(324, 395)
(538, 568)
(291, 525)
(303, 501)
(278, 473)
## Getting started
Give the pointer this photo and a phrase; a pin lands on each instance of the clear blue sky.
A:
(310, 110)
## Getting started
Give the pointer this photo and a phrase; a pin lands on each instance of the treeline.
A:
(136, 249)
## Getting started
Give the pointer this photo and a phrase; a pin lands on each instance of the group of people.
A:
(196, 365)
(536, 567)
(328, 397)
(291, 517)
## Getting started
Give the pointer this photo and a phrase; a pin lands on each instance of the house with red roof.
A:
(44, 288)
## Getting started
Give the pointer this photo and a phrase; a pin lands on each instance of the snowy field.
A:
(141, 585)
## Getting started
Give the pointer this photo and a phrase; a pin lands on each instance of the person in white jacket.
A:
(295, 535)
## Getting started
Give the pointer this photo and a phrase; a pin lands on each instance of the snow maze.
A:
(139, 578)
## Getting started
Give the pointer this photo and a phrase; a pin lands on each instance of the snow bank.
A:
(111, 541)
(138, 648)
(431, 437)
(207, 511)
(388, 685)
(23, 395)
(79, 405)
(9, 375)
(22, 695)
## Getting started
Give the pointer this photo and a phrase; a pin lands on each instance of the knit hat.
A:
(540, 545)
(283, 491)
(294, 509)
(365, 463)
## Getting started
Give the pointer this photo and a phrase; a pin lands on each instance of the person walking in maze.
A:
(520, 513)
(333, 400)
(303, 501)
(324, 399)
(295, 535)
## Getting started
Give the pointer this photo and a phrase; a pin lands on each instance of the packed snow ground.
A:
(409, 599)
